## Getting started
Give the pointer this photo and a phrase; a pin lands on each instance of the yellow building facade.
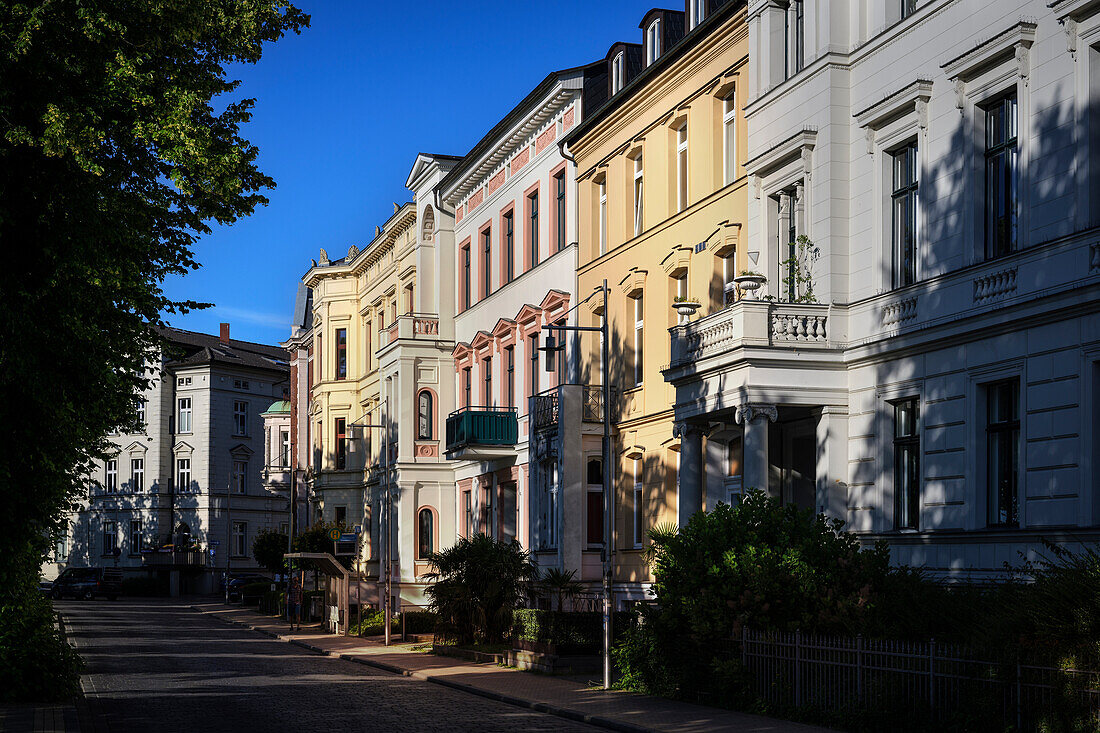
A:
(662, 200)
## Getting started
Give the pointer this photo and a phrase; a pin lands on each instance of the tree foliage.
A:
(268, 549)
(119, 142)
(475, 586)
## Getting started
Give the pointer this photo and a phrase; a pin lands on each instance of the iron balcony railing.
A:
(479, 425)
(174, 558)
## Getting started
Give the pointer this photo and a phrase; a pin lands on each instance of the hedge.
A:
(566, 632)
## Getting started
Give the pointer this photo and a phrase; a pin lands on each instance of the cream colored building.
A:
(663, 196)
(382, 336)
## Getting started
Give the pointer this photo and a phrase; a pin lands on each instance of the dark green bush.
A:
(419, 622)
(271, 602)
(569, 632)
(36, 663)
(252, 592)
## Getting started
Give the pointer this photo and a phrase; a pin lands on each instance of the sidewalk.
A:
(620, 711)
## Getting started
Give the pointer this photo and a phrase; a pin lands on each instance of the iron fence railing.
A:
(546, 409)
(937, 682)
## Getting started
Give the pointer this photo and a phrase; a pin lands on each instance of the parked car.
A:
(88, 583)
(237, 581)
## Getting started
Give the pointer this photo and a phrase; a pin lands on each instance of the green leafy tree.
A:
(119, 142)
(268, 549)
(475, 586)
(561, 584)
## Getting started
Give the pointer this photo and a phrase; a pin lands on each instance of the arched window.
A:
(426, 533)
(424, 416)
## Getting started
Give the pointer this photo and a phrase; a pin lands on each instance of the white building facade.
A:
(925, 365)
(185, 498)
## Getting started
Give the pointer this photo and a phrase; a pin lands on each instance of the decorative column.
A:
(755, 418)
(690, 489)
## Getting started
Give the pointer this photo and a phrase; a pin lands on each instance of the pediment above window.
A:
(182, 447)
(1011, 45)
(241, 451)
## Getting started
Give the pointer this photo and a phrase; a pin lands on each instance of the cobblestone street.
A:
(162, 667)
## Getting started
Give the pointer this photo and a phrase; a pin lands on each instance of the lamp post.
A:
(608, 505)
(387, 611)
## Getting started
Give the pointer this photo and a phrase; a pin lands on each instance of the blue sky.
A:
(341, 112)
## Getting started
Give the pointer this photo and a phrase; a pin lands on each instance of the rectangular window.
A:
(904, 205)
(340, 430)
(410, 298)
(111, 480)
(509, 247)
(486, 262)
(137, 543)
(1002, 177)
(639, 507)
(907, 7)
(799, 9)
(907, 479)
(367, 355)
(487, 381)
(653, 41)
(697, 12)
(735, 454)
(603, 216)
(341, 354)
(240, 417)
(137, 474)
(110, 538)
(467, 512)
(240, 477)
(595, 516)
(240, 539)
(141, 414)
(729, 137)
(183, 417)
(1002, 434)
(617, 75)
(682, 167)
(533, 227)
(466, 285)
(466, 387)
(342, 516)
(728, 273)
(183, 475)
(681, 293)
(510, 380)
(638, 195)
(533, 357)
(559, 209)
(284, 447)
(639, 339)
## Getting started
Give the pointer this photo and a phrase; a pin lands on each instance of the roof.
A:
(188, 348)
(280, 407)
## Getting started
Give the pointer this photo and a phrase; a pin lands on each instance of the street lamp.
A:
(608, 505)
(387, 611)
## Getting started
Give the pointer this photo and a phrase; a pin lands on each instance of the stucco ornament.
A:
(323, 261)
(749, 412)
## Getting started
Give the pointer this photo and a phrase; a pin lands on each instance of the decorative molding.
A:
(899, 311)
(634, 282)
(994, 284)
(1013, 42)
(748, 412)
(323, 261)
(676, 262)
(801, 144)
(913, 98)
(798, 326)
(683, 429)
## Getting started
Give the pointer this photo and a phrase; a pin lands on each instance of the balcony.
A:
(174, 559)
(547, 407)
(409, 326)
(482, 432)
(757, 323)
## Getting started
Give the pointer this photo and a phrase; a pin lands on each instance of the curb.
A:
(541, 707)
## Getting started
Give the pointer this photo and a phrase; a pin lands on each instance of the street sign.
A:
(334, 534)
(346, 537)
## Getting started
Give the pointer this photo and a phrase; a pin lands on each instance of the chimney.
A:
(224, 337)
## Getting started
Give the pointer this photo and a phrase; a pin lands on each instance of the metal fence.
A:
(932, 681)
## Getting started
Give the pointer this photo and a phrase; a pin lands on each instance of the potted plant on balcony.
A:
(685, 305)
(749, 282)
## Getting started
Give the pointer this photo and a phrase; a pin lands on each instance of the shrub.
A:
(268, 549)
(475, 586)
(253, 592)
(36, 663)
(419, 622)
(570, 632)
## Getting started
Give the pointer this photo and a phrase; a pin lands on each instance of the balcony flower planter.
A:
(749, 283)
(686, 308)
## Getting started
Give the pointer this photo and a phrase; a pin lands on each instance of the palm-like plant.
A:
(560, 582)
(475, 586)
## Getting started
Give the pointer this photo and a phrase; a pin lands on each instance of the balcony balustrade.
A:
(409, 326)
(482, 432)
(174, 559)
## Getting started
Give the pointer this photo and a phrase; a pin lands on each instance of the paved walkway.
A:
(621, 711)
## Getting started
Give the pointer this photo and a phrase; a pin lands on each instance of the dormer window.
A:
(653, 41)
(617, 73)
(697, 12)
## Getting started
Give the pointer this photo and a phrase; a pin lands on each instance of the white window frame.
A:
(284, 447)
(697, 9)
(683, 191)
(639, 194)
(137, 474)
(240, 476)
(729, 136)
(639, 337)
(184, 409)
(136, 529)
(617, 76)
(653, 42)
(639, 497)
(110, 537)
(603, 216)
(240, 539)
(183, 475)
(141, 414)
(110, 467)
(681, 292)
(240, 417)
